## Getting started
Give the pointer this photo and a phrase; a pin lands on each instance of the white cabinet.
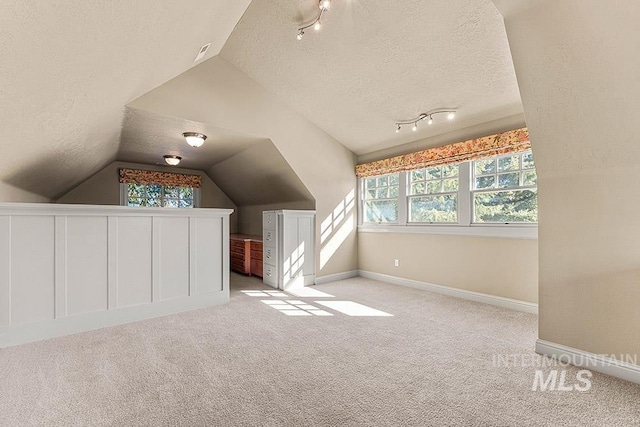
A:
(288, 238)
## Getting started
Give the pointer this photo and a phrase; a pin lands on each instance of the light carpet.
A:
(432, 363)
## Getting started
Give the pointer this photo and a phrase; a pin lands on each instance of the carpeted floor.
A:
(254, 363)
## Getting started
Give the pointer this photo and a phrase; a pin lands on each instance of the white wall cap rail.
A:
(105, 210)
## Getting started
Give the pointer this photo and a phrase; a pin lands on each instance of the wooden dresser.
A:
(245, 253)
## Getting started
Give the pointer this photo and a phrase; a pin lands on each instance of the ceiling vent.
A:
(202, 52)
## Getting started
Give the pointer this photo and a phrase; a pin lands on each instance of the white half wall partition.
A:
(72, 268)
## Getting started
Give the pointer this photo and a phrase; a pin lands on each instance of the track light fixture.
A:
(451, 114)
(323, 5)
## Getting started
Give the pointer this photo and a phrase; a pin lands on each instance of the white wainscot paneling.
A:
(32, 269)
(5, 271)
(172, 242)
(72, 268)
(86, 264)
(134, 260)
(208, 274)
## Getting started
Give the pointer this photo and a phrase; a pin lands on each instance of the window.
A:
(433, 194)
(154, 195)
(381, 198)
(494, 190)
(504, 189)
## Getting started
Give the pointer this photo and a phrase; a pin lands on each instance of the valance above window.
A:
(492, 145)
(135, 176)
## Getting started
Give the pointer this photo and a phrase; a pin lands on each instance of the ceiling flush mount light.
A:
(323, 5)
(172, 160)
(194, 139)
(451, 114)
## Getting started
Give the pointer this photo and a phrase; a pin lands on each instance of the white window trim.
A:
(528, 232)
(464, 227)
(124, 192)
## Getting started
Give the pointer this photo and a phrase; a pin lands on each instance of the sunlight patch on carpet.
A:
(261, 293)
(308, 292)
(296, 308)
(354, 309)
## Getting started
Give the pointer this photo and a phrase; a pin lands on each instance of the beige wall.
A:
(497, 266)
(250, 217)
(577, 65)
(103, 188)
(9, 193)
(219, 94)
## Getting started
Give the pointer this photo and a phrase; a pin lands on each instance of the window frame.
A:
(442, 193)
(465, 225)
(363, 198)
(520, 187)
(124, 197)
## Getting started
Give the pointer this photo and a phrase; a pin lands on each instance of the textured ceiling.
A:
(68, 68)
(250, 170)
(376, 61)
(146, 137)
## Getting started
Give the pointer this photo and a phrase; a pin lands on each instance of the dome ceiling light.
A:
(194, 139)
(172, 160)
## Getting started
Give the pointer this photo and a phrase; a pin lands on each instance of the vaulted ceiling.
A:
(69, 70)
(378, 61)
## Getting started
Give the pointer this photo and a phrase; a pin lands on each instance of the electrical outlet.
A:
(396, 263)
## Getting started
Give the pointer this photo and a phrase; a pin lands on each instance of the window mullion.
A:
(403, 200)
(464, 194)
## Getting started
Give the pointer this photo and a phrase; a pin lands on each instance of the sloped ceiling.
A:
(69, 68)
(146, 137)
(259, 175)
(250, 170)
(378, 61)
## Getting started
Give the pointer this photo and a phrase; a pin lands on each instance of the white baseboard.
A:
(335, 277)
(527, 307)
(594, 362)
(22, 334)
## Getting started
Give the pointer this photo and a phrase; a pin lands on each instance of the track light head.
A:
(415, 127)
(398, 129)
(323, 5)
(430, 121)
(451, 115)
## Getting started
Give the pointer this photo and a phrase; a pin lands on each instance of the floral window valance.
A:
(135, 176)
(501, 143)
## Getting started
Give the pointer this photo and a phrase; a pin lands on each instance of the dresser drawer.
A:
(238, 265)
(236, 246)
(269, 276)
(256, 255)
(269, 237)
(256, 246)
(269, 256)
(269, 220)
